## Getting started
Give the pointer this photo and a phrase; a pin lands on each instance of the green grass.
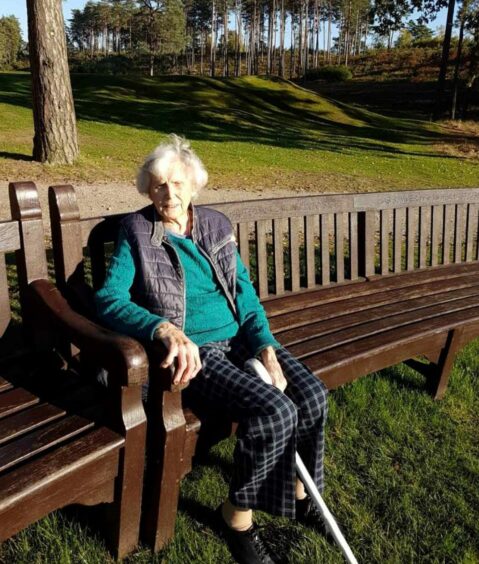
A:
(402, 476)
(251, 132)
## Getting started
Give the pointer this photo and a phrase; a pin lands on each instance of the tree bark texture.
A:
(441, 82)
(55, 139)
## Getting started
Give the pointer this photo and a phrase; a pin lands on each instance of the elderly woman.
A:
(176, 276)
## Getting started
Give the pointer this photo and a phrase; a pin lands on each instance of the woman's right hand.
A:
(182, 348)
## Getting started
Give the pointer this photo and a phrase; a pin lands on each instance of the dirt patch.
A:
(466, 142)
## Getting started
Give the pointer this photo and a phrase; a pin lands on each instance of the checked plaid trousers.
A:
(272, 425)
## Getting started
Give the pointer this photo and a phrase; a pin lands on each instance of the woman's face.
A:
(172, 195)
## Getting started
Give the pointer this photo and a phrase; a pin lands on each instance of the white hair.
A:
(159, 161)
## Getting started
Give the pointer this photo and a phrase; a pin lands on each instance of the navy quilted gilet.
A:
(159, 285)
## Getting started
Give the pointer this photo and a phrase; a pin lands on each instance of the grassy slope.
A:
(250, 132)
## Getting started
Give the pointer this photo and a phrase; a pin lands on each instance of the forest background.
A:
(289, 38)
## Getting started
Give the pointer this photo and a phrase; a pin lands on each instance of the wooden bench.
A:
(63, 440)
(351, 284)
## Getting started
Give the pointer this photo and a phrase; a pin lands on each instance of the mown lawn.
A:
(402, 476)
(251, 132)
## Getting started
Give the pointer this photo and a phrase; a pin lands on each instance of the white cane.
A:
(256, 367)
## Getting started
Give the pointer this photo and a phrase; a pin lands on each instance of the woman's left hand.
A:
(270, 361)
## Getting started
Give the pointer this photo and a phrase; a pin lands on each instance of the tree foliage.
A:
(10, 41)
(233, 37)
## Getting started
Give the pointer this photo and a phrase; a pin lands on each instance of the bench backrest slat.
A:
(398, 222)
(293, 226)
(278, 256)
(435, 233)
(459, 235)
(339, 222)
(411, 225)
(353, 244)
(309, 244)
(471, 214)
(384, 227)
(447, 234)
(325, 265)
(424, 229)
(262, 257)
(242, 230)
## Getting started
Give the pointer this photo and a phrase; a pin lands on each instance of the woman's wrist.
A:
(162, 329)
(267, 353)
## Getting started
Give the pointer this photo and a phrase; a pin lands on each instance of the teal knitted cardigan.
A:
(209, 316)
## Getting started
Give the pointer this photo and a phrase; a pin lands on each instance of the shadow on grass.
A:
(405, 376)
(262, 111)
(397, 98)
(15, 156)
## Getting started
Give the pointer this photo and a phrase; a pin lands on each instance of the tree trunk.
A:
(330, 17)
(300, 39)
(306, 38)
(55, 139)
(282, 24)
(441, 82)
(292, 52)
(457, 65)
(226, 71)
(317, 25)
(473, 73)
(213, 39)
(270, 39)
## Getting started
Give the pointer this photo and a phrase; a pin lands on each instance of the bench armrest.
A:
(123, 357)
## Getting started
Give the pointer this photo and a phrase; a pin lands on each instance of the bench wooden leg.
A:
(123, 516)
(166, 442)
(440, 364)
(440, 375)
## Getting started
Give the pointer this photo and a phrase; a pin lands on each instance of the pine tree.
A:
(55, 139)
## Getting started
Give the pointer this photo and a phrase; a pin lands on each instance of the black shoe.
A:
(309, 515)
(246, 547)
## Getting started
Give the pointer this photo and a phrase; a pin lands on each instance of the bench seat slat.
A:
(284, 304)
(4, 384)
(374, 345)
(15, 400)
(388, 324)
(353, 304)
(27, 477)
(326, 326)
(42, 439)
(44, 484)
(27, 420)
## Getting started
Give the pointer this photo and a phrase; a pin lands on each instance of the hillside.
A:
(251, 132)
